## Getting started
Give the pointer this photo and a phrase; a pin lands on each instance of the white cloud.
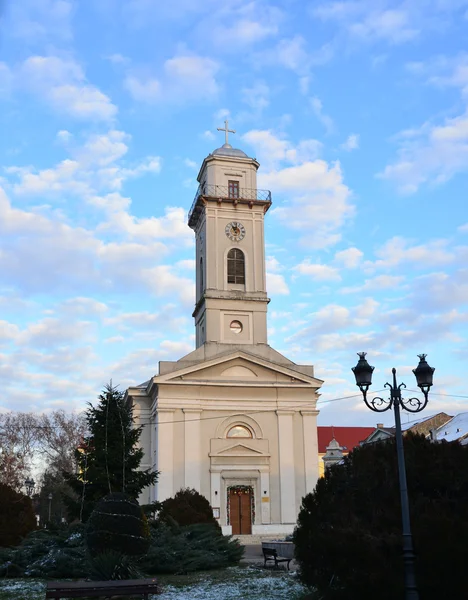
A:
(208, 135)
(271, 149)
(94, 166)
(326, 120)
(380, 282)
(320, 202)
(397, 250)
(436, 151)
(184, 78)
(276, 284)
(350, 258)
(64, 136)
(392, 25)
(243, 32)
(317, 271)
(293, 54)
(351, 143)
(62, 84)
(365, 22)
(143, 90)
(41, 20)
(257, 96)
(434, 155)
(117, 59)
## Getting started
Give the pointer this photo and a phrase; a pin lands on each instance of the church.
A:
(234, 419)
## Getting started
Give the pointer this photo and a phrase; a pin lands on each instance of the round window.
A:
(236, 326)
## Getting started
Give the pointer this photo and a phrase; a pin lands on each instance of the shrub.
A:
(176, 549)
(348, 538)
(45, 553)
(17, 516)
(187, 507)
(111, 565)
(117, 523)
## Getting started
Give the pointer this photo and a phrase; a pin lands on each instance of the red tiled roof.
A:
(347, 437)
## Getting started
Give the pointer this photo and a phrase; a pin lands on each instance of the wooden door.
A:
(240, 512)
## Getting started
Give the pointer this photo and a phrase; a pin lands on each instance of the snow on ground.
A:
(21, 589)
(247, 584)
(237, 584)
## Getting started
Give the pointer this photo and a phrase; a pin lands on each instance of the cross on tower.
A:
(226, 131)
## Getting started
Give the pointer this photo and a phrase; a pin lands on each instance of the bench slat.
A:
(59, 585)
(80, 589)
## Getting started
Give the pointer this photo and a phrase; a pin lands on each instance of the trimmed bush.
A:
(348, 538)
(112, 565)
(187, 507)
(199, 547)
(117, 523)
(17, 516)
(44, 553)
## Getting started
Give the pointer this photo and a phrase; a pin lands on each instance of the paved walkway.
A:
(253, 555)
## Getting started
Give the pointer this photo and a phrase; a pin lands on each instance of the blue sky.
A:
(357, 112)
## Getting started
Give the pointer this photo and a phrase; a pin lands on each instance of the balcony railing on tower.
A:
(229, 192)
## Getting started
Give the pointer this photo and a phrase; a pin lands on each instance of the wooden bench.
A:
(103, 589)
(271, 554)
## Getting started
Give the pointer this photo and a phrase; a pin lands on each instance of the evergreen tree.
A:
(348, 540)
(108, 459)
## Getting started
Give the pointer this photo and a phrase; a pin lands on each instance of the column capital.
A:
(310, 413)
(192, 411)
(285, 412)
(165, 411)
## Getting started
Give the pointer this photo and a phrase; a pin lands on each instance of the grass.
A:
(234, 583)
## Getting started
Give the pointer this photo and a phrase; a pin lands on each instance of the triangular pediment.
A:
(239, 449)
(238, 368)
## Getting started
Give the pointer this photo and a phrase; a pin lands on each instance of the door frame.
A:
(240, 488)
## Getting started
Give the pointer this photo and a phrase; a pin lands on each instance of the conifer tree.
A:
(108, 459)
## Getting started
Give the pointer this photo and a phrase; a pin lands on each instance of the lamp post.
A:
(29, 484)
(50, 504)
(423, 372)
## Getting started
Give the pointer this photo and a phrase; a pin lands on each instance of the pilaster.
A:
(286, 464)
(192, 448)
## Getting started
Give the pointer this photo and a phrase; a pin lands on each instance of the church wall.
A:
(179, 451)
(299, 461)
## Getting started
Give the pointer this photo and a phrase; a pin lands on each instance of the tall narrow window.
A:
(233, 187)
(236, 266)
(201, 276)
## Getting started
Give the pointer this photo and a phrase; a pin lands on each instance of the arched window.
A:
(239, 431)
(201, 275)
(235, 266)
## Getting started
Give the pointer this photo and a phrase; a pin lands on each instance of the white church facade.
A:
(234, 419)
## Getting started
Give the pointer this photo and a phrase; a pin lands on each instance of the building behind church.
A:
(234, 419)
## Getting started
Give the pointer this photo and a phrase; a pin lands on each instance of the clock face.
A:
(235, 231)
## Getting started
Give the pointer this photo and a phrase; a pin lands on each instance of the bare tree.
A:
(61, 434)
(19, 438)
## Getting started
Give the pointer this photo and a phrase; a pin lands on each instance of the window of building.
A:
(239, 431)
(236, 327)
(201, 276)
(235, 266)
(233, 189)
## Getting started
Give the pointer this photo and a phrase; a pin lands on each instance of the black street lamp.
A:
(50, 504)
(29, 484)
(423, 372)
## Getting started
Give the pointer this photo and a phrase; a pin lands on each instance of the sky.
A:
(358, 114)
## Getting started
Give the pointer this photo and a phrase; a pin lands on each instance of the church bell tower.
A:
(227, 218)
